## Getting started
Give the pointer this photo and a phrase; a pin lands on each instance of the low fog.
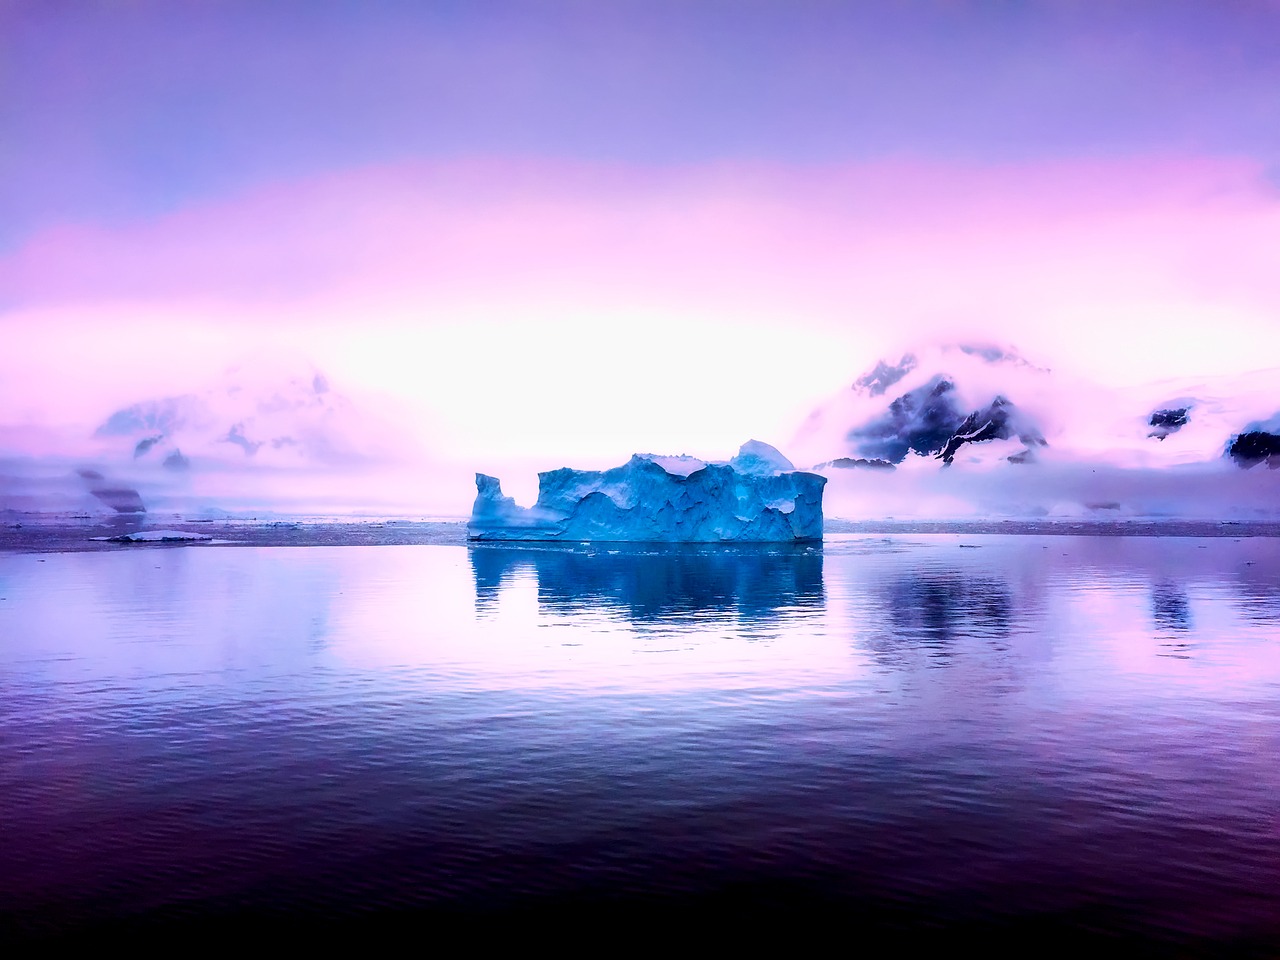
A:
(955, 430)
(392, 249)
(976, 429)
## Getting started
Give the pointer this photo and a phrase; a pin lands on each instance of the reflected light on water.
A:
(1075, 733)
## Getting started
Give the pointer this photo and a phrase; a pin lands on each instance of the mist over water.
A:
(946, 430)
(962, 734)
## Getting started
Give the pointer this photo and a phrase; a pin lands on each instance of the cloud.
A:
(122, 110)
(586, 310)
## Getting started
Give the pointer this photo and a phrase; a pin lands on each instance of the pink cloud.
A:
(467, 228)
(742, 292)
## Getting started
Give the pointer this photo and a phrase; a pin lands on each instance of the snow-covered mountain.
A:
(293, 419)
(933, 404)
(261, 433)
(971, 428)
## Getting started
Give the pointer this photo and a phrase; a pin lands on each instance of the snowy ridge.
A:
(981, 431)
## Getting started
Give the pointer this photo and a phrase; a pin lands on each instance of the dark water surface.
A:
(970, 736)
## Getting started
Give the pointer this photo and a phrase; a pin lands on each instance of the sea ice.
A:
(158, 536)
(757, 496)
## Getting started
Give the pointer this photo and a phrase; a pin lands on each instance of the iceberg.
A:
(758, 496)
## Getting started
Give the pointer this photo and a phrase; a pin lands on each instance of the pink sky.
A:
(593, 310)
(562, 231)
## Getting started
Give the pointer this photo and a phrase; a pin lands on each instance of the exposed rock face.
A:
(758, 496)
(1255, 447)
(934, 402)
(1168, 421)
(927, 421)
(920, 421)
(999, 421)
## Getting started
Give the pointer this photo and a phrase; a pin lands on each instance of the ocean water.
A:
(928, 735)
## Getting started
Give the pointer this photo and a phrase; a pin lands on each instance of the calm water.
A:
(982, 735)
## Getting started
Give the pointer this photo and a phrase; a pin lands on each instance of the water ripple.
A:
(923, 738)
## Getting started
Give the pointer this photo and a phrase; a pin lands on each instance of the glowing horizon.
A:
(510, 264)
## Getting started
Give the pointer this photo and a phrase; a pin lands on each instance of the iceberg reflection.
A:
(1257, 589)
(936, 608)
(647, 584)
(1170, 607)
(940, 614)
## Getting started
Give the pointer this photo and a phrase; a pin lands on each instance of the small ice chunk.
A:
(157, 536)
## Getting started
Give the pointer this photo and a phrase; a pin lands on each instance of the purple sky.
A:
(496, 210)
(115, 110)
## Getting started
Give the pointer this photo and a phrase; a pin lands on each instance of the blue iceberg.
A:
(758, 496)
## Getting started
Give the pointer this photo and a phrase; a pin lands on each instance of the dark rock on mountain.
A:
(997, 422)
(928, 421)
(943, 397)
(859, 463)
(1255, 447)
(921, 421)
(1169, 418)
(1168, 421)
